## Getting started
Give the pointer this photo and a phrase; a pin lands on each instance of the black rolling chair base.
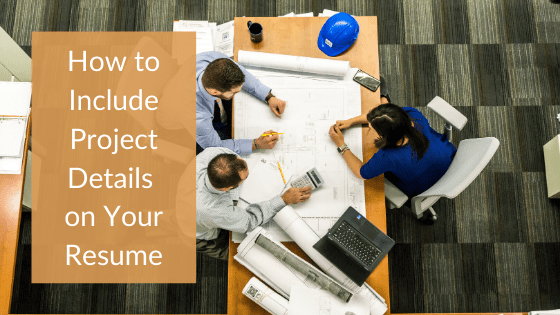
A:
(429, 217)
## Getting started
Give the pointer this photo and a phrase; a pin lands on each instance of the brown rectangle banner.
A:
(104, 200)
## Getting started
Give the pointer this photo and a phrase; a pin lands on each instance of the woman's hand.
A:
(336, 135)
(343, 124)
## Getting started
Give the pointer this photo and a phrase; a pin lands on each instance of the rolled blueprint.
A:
(282, 275)
(305, 237)
(265, 297)
(312, 274)
(261, 276)
(337, 68)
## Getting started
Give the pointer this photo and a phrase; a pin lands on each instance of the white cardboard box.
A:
(552, 167)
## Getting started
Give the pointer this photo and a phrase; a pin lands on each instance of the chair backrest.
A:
(151, 83)
(471, 158)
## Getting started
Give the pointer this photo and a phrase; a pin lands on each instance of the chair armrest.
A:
(394, 195)
(448, 113)
(174, 152)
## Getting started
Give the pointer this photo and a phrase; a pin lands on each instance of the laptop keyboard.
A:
(348, 237)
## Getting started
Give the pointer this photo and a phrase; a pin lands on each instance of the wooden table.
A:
(298, 36)
(11, 196)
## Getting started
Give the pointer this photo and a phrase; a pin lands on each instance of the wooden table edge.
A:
(10, 232)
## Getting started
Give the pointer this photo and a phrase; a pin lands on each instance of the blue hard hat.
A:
(338, 34)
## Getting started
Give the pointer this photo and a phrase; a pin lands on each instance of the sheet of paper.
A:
(265, 297)
(305, 301)
(265, 180)
(204, 40)
(213, 26)
(204, 34)
(292, 14)
(314, 103)
(329, 13)
(551, 312)
(223, 40)
(12, 136)
(10, 165)
(15, 98)
(183, 25)
(337, 68)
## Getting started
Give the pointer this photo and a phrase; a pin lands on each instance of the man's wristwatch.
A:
(342, 149)
(269, 96)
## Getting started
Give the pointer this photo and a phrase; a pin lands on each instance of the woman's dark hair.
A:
(223, 170)
(393, 124)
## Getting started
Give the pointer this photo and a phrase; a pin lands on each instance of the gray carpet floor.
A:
(496, 247)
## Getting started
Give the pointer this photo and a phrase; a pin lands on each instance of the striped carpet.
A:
(495, 248)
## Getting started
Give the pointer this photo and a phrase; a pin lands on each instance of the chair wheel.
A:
(428, 218)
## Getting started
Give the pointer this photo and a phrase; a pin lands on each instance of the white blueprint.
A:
(328, 67)
(313, 105)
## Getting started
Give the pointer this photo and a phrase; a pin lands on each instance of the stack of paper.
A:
(327, 12)
(15, 101)
(292, 14)
(209, 36)
(551, 312)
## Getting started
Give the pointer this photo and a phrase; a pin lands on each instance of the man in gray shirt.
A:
(219, 174)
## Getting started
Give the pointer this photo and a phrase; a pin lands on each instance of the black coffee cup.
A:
(256, 31)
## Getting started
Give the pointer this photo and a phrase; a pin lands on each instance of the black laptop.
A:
(354, 245)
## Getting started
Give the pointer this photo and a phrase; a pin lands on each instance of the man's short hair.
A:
(223, 170)
(223, 75)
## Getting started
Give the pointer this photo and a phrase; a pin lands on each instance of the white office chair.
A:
(471, 158)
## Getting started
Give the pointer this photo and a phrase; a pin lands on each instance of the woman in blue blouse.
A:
(412, 155)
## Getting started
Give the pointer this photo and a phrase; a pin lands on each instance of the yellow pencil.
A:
(281, 173)
(271, 134)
